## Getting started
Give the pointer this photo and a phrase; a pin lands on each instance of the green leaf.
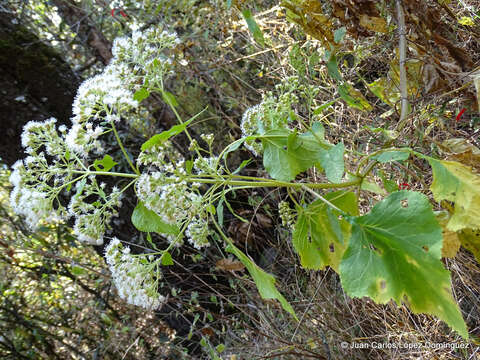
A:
(388, 184)
(76, 270)
(393, 155)
(320, 238)
(166, 259)
(339, 34)
(164, 136)
(368, 185)
(211, 209)
(456, 182)
(253, 27)
(141, 94)
(395, 253)
(147, 220)
(189, 166)
(353, 97)
(265, 282)
(105, 164)
(169, 98)
(332, 161)
(233, 146)
(332, 69)
(320, 109)
(372, 187)
(242, 165)
(220, 348)
(285, 162)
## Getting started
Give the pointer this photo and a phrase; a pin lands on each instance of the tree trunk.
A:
(87, 32)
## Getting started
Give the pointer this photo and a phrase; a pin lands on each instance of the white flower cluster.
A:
(287, 215)
(32, 178)
(42, 133)
(136, 277)
(274, 112)
(38, 181)
(137, 61)
(176, 203)
(57, 158)
(163, 191)
(160, 155)
(34, 205)
(207, 165)
(92, 218)
(144, 52)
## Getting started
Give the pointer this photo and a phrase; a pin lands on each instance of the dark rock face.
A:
(35, 84)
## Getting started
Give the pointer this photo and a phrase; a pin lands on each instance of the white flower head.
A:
(135, 280)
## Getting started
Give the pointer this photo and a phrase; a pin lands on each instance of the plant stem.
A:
(275, 183)
(106, 173)
(402, 50)
(135, 170)
(260, 183)
(179, 118)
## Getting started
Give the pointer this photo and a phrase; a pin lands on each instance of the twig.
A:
(402, 50)
(131, 345)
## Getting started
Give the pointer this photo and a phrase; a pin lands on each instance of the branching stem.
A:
(402, 51)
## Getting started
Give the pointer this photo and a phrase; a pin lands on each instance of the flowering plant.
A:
(392, 252)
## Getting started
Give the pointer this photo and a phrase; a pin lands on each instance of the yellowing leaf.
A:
(394, 254)
(470, 240)
(353, 97)
(373, 23)
(383, 89)
(451, 242)
(387, 88)
(320, 238)
(467, 21)
(309, 15)
(455, 182)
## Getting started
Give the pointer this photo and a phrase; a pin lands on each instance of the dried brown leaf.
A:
(229, 265)
(462, 151)
(373, 23)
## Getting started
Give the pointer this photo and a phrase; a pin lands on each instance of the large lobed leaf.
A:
(320, 238)
(394, 253)
(286, 153)
(456, 182)
(332, 161)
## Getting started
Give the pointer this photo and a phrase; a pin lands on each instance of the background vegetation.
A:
(57, 297)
